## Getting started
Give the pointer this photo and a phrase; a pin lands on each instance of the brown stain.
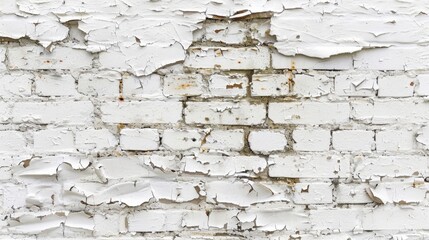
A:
(235, 85)
(219, 30)
(120, 126)
(184, 86)
(291, 82)
(26, 163)
(121, 89)
(411, 83)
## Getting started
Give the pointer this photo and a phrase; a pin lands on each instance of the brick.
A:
(106, 224)
(266, 141)
(224, 140)
(232, 85)
(183, 85)
(225, 32)
(356, 85)
(353, 140)
(390, 111)
(142, 87)
(15, 84)
(395, 86)
(2, 57)
(422, 88)
(55, 85)
(352, 194)
(412, 58)
(224, 113)
(228, 58)
(394, 140)
(338, 62)
(139, 139)
(68, 113)
(161, 221)
(181, 139)
(35, 57)
(95, 140)
(311, 140)
(308, 112)
(308, 166)
(218, 165)
(375, 219)
(389, 166)
(245, 193)
(54, 140)
(311, 86)
(422, 138)
(12, 142)
(312, 193)
(141, 112)
(99, 84)
(336, 219)
(270, 84)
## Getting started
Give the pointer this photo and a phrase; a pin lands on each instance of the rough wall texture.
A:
(202, 119)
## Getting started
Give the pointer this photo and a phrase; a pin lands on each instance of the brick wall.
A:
(227, 120)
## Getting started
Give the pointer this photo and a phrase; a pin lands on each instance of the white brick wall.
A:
(224, 120)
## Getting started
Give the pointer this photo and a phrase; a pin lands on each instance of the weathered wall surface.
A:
(202, 119)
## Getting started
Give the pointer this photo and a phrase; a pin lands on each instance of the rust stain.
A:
(235, 85)
(184, 86)
(26, 163)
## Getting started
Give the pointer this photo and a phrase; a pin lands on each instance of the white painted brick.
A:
(232, 85)
(270, 84)
(336, 219)
(312, 193)
(161, 221)
(412, 58)
(228, 58)
(15, 84)
(144, 87)
(311, 86)
(142, 112)
(395, 86)
(2, 57)
(389, 166)
(95, 140)
(339, 62)
(54, 140)
(226, 32)
(422, 137)
(394, 140)
(35, 57)
(224, 140)
(308, 166)
(422, 88)
(225, 113)
(139, 139)
(217, 165)
(391, 111)
(353, 140)
(181, 139)
(245, 193)
(311, 140)
(106, 224)
(308, 112)
(55, 85)
(356, 85)
(105, 83)
(266, 141)
(12, 142)
(183, 85)
(78, 113)
(352, 194)
(400, 218)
